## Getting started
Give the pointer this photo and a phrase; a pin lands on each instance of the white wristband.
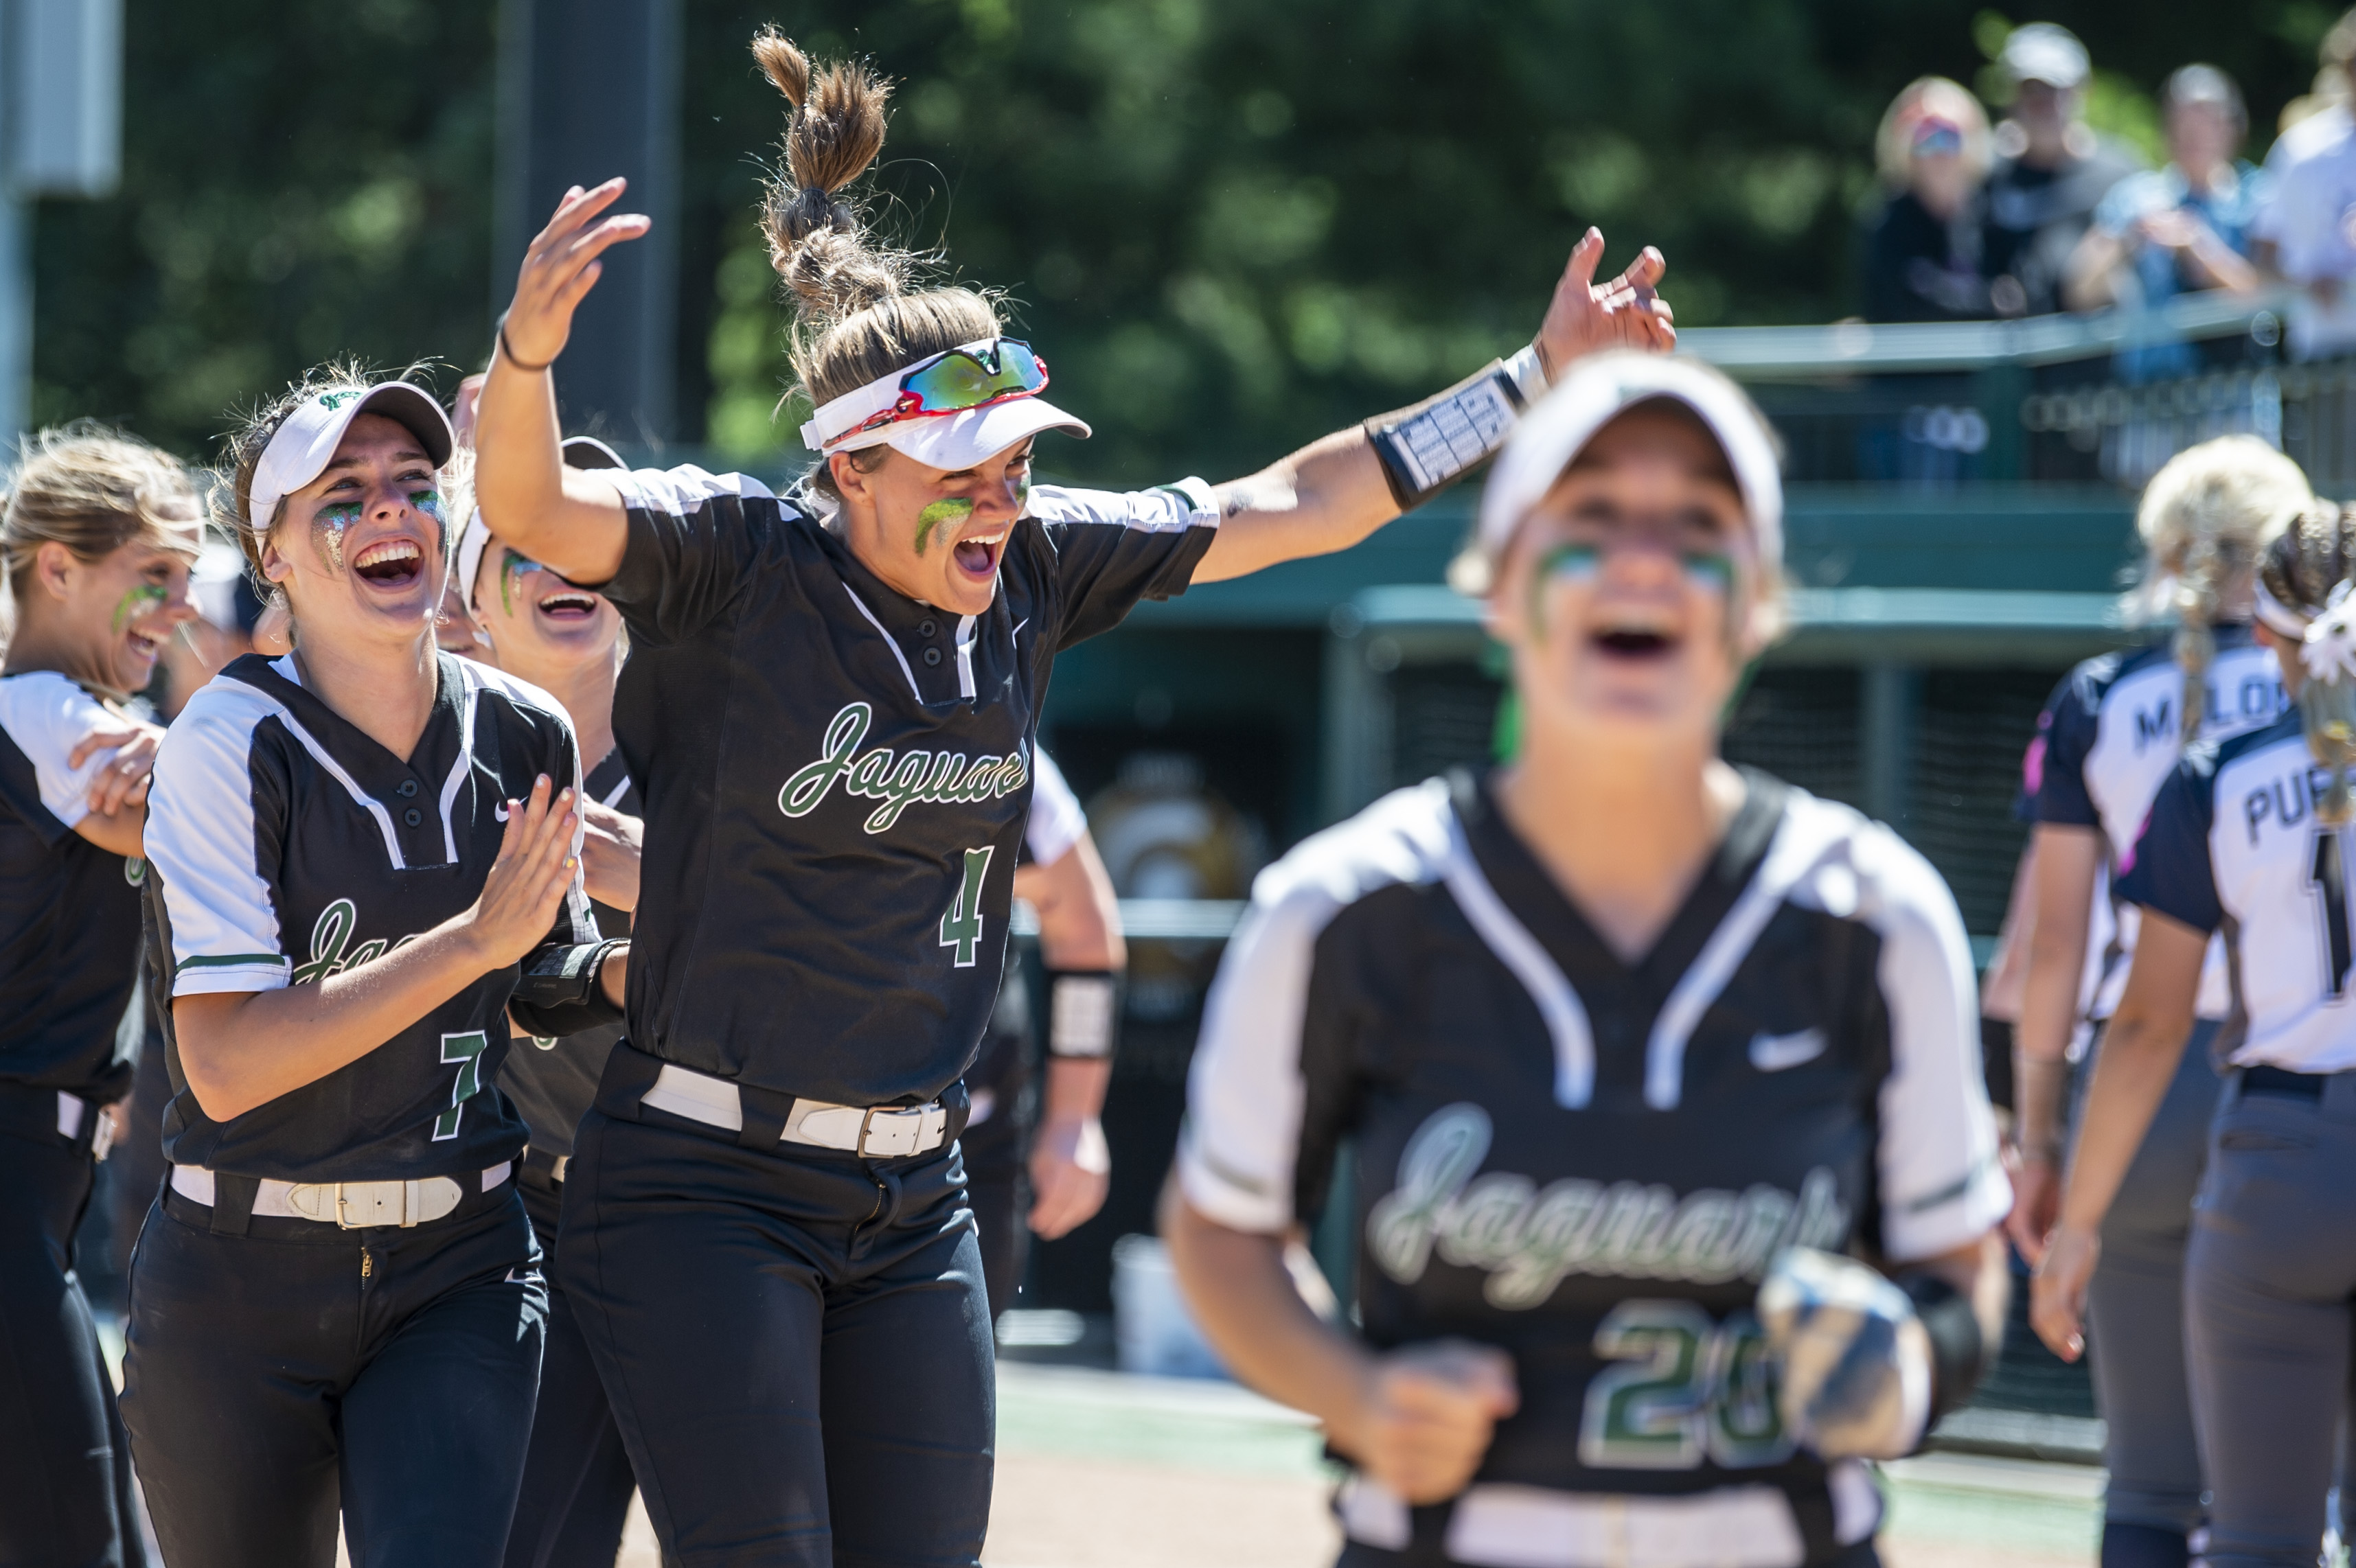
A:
(1080, 1016)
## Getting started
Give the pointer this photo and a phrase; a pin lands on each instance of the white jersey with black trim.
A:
(838, 777)
(70, 910)
(1588, 1162)
(287, 846)
(2108, 740)
(2234, 847)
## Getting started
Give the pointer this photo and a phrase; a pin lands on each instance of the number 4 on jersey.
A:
(961, 927)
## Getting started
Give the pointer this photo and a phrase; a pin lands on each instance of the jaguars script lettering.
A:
(899, 781)
(1528, 1237)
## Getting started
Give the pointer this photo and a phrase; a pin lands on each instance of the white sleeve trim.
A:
(1056, 820)
(1168, 509)
(201, 838)
(679, 491)
(1940, 1184)
(47, 716)
(1245, 1093)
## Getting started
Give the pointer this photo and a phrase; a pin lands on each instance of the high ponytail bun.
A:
(862, 314)
(2306, 572)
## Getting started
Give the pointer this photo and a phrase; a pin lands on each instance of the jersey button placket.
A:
(932, 657)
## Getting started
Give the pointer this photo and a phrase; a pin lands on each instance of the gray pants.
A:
(2268, 1285)
(2136, 1305)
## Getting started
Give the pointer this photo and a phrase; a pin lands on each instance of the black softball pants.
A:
(576, 1478)
(277, 1374)
(64, 1466)
(797, 1342)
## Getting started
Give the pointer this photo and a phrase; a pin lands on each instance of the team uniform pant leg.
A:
(237, 1348)
(994, 1168)
(696, 1268)
(65, 1465)
(435, 1425)
(910, 1405)
(576, 1478)
(2267, 1283)
(2136, 1305)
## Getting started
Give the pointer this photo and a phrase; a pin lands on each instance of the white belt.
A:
(72, 1109)
(348, 1205)
(1496, 1526)
(882, 1132)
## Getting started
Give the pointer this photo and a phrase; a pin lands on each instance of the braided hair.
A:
(2305, 577)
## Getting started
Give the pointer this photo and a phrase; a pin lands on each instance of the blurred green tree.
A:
(1226, 225)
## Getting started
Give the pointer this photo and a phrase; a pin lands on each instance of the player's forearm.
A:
(519, 458)
(1079, 915)
(117, 832)
(2048, 1014)
(1325, 497)
(2132, 1073)
(241, 1050)
(1249, 1308)
(1076, 1088)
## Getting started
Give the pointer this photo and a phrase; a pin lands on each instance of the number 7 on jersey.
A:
(961, 927)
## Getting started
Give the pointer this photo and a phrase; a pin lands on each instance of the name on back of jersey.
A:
(1527, 1238)
(899, 780)
(2253, 700)
(2288, 800)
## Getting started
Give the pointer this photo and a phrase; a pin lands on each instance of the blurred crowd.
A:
(2041, 213)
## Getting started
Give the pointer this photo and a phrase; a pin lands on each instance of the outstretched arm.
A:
(567, 519)
(1334, 492)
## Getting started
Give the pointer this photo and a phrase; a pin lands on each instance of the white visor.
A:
(1595, 391)
(938, 441)
(306, 441)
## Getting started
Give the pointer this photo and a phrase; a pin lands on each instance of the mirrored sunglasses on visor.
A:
(957, 380)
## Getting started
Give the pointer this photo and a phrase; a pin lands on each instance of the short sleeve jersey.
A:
(2111, 733)
(2234, 846)
(836, 777)
(69, 909)
(553, 1079)
(286, 846)
(1570, 1156)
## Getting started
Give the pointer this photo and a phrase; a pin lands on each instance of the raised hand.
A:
(528, 882)
(560, 268)
(1585, 316)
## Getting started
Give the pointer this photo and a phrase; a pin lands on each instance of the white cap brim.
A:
(306, 439)
(1597, 391)
(967, 440)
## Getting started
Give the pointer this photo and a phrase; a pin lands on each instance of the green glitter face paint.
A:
(146, 597)
(512, 566)
(952, 511)
(327, 528)
(1569, 562)
(1708, 570)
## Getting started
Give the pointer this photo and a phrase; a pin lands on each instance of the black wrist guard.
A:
(1958, 1353)
(1428, 447)
(560, 993)
(1082, 1013)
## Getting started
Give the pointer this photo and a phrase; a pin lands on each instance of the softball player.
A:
(568, 642)
(829, 708)
(2112, 732)
(1616, 1033)
(1080, 944)
(363, 858)
(2248, 837)
(96, 541)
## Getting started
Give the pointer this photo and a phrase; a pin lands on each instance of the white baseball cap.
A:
(2046, 52)
(866, 416)
(1594, 392)
(305, 441)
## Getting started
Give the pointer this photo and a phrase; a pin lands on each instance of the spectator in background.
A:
(2303, 229)
(1922, 248)
(2173, 230)
(2051, 171)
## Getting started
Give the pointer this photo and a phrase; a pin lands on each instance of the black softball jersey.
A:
(551, 1078)
(286, 846)
(837, 777)
(1589, 1162)
(69, 909)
